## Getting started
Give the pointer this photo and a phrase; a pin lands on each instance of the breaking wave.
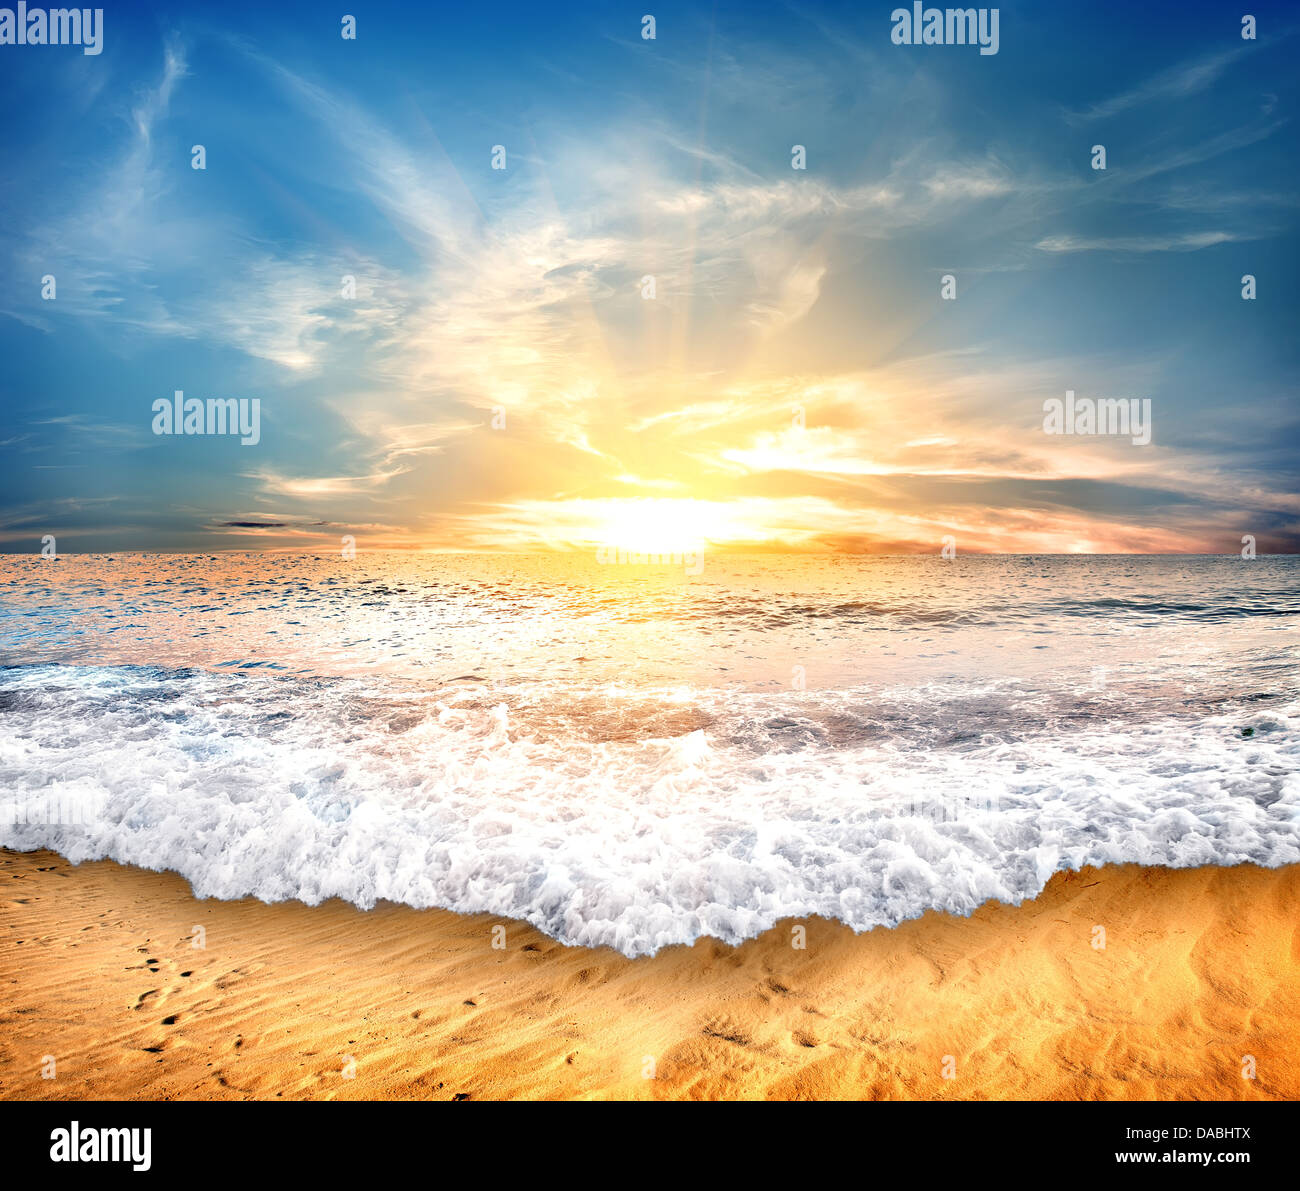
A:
(637, 817)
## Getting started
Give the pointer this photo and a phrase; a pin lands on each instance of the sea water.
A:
(637, 756)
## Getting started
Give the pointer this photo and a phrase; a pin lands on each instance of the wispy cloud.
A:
(500, 374)
(1174, 83)
(1189, 242)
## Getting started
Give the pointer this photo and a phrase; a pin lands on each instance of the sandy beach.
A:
(101, 972)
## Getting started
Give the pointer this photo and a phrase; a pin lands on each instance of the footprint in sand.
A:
(165, 1043)
(727, 1029)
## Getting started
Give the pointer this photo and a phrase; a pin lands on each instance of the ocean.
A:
(633, 756)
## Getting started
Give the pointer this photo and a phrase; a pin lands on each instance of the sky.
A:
(501, 379)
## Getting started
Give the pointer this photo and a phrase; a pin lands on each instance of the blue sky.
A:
(797, 381)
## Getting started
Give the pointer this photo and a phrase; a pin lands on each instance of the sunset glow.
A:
(743, 551)
(635, 327)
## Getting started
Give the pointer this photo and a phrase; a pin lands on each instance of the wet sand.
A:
(99, 969)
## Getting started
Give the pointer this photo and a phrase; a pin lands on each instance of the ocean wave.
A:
(713, 813)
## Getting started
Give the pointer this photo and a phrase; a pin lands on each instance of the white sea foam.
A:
(281, 787)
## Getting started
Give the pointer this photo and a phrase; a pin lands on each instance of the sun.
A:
(642, 525)
(663, 526)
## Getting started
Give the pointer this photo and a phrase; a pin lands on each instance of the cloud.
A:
(1172, 84)
(1188, 242)
(275, 484)
(520, 293)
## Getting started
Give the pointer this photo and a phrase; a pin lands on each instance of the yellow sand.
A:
(1199, 970)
